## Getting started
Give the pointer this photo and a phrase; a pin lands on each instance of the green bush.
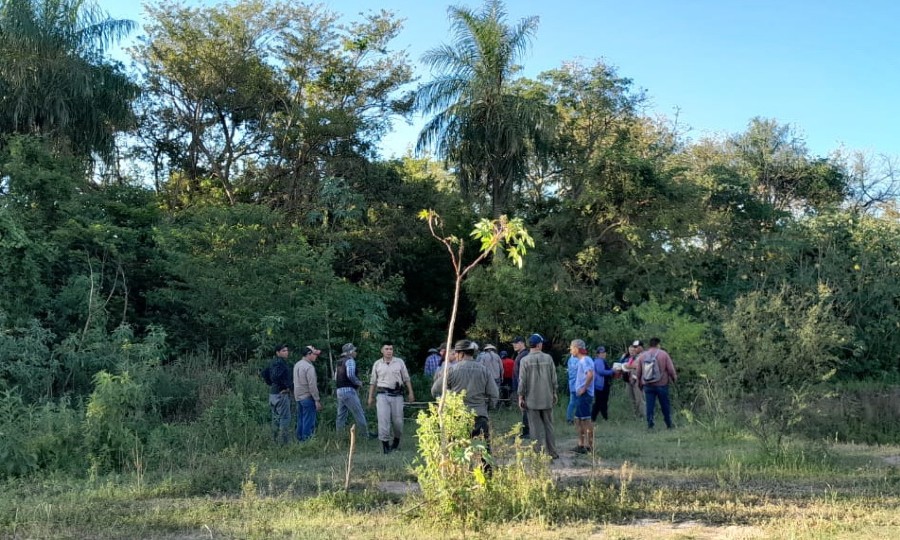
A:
(448, 466)
(866, 412)
(26, 360)
(16, 459)
(45, 437)
(236, 421)
(454, 482)
(115, 420)
(56, 437)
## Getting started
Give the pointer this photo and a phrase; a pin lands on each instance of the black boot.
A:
(386, 447)
(396, 444)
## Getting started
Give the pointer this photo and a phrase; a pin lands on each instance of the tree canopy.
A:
(250, 203)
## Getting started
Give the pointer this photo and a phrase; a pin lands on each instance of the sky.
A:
(829, 68)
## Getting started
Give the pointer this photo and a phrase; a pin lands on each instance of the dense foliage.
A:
(227, 195)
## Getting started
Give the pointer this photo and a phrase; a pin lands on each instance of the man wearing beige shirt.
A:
(389, 375)
(306, 393)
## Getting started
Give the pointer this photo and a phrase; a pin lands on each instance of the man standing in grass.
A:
(492, 362)
(655, 372)
(571, 373)
(389, 375)
(518, 344)
(630, 376)
(306, 392)
(583, 396)
(278, 376)
(603, 377)
(476, 380)
(537, 394)
(347, 384)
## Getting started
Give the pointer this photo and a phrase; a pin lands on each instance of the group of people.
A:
(647, 376)
(388, 380)
(533, 375)
(530, 377)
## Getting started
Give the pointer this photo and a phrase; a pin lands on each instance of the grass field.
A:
(685, 483)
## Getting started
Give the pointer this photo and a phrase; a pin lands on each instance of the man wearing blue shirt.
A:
(602, 385)
(584, 396)
(433, 362)
(572, 372)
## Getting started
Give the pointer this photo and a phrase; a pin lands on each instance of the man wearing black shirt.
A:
(280, 380)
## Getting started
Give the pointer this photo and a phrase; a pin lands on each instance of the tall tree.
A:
(782, 173)
(55, 80)
(262, 100)
(482, 124)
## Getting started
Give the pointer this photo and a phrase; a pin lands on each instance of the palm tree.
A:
(54, 78)
(482, 124)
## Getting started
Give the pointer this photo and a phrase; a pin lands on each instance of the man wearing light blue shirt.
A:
(572, 372)
(584, 396)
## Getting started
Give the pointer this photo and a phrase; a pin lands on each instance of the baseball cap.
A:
(432, 350)
(518, 339)
(465, 345)
(535, 339)
(309, 349)
(601, 348)
(637, 343)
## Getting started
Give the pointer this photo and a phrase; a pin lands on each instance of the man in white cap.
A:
(348, 385)
(630, 376)
(491, 360)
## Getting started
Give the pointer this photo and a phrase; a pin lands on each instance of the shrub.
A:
(235, 420)
(26, 361)
(454, 483)
(56, 438)
(38, 437)
(16, 459)
(448, 466)
(115, 419)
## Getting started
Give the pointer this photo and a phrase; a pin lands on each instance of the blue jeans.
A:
(583, 406)
(570, 412)
(661, 392)
(306, 418)
(280, 405)
(348, 403)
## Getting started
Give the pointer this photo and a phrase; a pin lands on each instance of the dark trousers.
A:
(651, 393)
(601, 403)
(483, 429)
